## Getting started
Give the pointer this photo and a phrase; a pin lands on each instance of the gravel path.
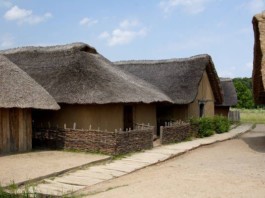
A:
(234, 168)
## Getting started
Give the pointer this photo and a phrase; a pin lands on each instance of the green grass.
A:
(13, 191)
(256, 116)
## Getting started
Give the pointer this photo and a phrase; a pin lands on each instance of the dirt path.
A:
(234, 168)
(21, 167)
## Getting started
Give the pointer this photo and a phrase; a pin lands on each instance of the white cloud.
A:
(127, 31)
(87, 22)
(120, 36)
(15, 13)
(188, 6)
(254, 6)
(104, 35)
(7, 41)
(25, 16)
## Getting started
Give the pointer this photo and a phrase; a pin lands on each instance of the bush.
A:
(221, 124)
(206, 127)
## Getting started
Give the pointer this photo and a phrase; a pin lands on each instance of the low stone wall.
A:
(114, 143)
(176, 132)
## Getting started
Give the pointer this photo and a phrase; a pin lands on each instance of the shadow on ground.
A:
(255, 141)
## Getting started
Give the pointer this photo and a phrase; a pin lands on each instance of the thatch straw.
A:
(178, 78)
(19, 90)
(258, 74)
(76, 73)
(230, 95)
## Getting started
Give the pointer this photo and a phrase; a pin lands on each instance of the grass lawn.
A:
(252, 115)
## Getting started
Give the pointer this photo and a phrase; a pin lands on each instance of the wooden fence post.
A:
(74, 125)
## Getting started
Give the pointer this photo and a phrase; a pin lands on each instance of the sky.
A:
(139, 29)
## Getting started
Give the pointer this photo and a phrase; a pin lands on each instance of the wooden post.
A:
(74, 126)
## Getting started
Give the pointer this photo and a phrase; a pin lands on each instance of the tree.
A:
(244, 93)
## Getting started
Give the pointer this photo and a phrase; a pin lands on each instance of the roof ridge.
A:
(72, 46)
(199, 56)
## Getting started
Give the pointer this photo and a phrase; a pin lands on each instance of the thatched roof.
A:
(178, 78)
(78, 74)
(19, 90)
(258, 74)
(230, 95)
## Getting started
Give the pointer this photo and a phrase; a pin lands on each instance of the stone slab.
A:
(91, 174)
(114, 173)
(120, 167)
(65, 187)
(148, 157)
(48, 189)
(161, 150)
(78, 180)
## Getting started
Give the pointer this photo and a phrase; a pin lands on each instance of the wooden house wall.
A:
(99, 116)
(15, 130)
(223, 111)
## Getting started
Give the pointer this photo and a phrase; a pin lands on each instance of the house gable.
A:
(204, 96)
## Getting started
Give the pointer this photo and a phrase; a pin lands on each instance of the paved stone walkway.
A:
(81, 179)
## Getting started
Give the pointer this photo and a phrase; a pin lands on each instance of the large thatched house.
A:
(90, 89)
(19, 94)
(191, 83)
(258, 74)
(230, 97)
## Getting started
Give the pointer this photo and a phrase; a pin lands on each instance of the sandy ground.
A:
(21, 167)
(234, 168)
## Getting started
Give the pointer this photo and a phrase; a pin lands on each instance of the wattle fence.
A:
(114, 143)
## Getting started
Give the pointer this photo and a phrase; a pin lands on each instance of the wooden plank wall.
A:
(15, 130)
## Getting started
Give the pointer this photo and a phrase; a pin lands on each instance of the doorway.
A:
(201, 107)
(128, 117)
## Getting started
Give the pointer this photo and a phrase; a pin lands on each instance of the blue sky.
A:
(138, 29)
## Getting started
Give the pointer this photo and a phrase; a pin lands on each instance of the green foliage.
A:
(221, 124)
(244, 93)
(206, 127)
(12, 192)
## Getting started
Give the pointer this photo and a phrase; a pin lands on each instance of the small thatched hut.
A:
(89, 88)
(19, 94)
(191, 83)
(258, 74)
(230, 97)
